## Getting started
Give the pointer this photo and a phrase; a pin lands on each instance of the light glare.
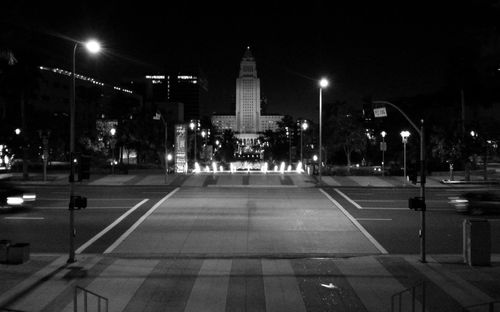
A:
(93, 46)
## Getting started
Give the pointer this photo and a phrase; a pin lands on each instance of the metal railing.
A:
(412, 292)
(86, 292)
(480, 307)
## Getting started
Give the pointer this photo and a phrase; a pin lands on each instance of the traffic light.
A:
(77, 202)
(84, 167)
(416, 203)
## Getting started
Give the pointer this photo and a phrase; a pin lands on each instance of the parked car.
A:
(476, 202)
(14, 197)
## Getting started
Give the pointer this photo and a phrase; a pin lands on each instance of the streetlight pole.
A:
(322, 84)
(194, 125)
(94, 47)
(303, 127)
(383, 147)
(113, 144)
(404, 135)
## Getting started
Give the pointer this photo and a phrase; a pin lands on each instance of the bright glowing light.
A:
(196, 167)
(289, 168)
(282, 167)
(169, 157)
(405, 134)
(323, 83)
(221, 169)
(263, 169)
(112, 131)
(315, 157)
(17, 131)
(383, 134)
(214, 167)
(14, 201)
(93, 46)
(275, 168)
(299, 167)
(305, 125)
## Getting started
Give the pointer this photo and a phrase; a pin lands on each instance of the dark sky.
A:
(382, 50)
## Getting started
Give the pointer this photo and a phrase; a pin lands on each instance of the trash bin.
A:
(476, 242)
(4, 248)
(18, 253)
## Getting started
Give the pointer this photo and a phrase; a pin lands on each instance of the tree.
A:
(345, 128)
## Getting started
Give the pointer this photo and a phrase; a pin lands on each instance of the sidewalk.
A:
(243, 179)
(363, 283)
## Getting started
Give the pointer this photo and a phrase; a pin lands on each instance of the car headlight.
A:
(15, 200)
(29, 197)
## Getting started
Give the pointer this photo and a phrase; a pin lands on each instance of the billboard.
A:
(181, 148)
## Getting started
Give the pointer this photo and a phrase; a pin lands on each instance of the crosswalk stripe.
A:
(281, 289)
(209, 292)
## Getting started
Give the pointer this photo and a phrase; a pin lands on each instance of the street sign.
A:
(379, 112)
(383, 146)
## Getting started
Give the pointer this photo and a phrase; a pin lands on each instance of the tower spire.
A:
(248, 54)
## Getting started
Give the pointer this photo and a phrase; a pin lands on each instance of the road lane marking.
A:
(138, 222)
(373, 219)
(24, 218)
(109, 227)
(355, 204)
(356, 223)
(66, 207)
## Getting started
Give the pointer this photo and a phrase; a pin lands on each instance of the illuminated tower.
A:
(248, 100)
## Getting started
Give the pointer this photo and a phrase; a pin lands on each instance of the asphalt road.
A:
(113, 210)
(384, 213)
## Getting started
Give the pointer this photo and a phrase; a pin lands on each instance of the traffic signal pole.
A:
(422, 175)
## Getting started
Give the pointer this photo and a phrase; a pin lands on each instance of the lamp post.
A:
(287, 133)
(383, 148)
(404, 135)
(194, 124)
(323, 83)
(303, 127)
(113, 144)
(93, 47)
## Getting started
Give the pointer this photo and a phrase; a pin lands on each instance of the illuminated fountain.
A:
(282, 167)
(196, 168)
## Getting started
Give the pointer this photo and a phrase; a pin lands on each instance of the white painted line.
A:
(109, 227)
(355, 204)
(138, 222)
(356, 223)
(381, 200)
(24, 218)
(373, 219)
(66, 207)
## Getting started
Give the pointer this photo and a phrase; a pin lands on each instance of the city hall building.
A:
(248, 122)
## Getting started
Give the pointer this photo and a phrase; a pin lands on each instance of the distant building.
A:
(248, 122)
(180, 93)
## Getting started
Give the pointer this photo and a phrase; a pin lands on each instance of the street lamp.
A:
(303, 127)
(287, 132)
(193, 125)
(323, 83)
(93, 47)
(383, 148)
(113, 144)
(404, 135)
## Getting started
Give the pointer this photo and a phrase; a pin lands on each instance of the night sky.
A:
(379, 50)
